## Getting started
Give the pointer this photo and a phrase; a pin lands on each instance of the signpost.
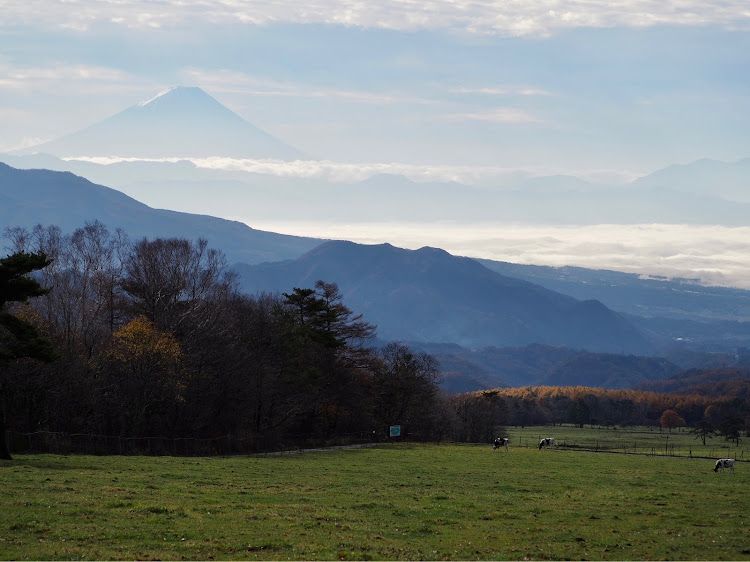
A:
(395, 431)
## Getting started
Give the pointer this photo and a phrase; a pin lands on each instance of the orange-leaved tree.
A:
(671, 419)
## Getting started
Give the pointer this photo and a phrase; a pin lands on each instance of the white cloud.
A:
(715, 255)
(497, 115)
(64, 79)
(350, 172)
(20, 144)
(232, 82)
(503, 91)
(510, 17)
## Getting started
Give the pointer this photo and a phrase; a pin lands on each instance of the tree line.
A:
(707, 413)
(152, 338)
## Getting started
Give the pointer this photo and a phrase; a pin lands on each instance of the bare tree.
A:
(82, 308)
(172, 280)
(406, 383)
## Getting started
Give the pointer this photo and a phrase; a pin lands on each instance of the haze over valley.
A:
(687, 221)
(579, 134)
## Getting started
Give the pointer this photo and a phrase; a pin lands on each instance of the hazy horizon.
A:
(715, 255)
(558, 85)
(446, 91)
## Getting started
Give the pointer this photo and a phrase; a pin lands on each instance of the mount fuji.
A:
(181, 122)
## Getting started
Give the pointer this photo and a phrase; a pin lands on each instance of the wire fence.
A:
(227, 445)
(636, 442)
(632, 441)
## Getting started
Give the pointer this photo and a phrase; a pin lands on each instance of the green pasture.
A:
(632, 440)
(394, 502)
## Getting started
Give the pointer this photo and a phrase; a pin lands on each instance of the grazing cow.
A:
(501, 442)
(724, 463)
(547, 442)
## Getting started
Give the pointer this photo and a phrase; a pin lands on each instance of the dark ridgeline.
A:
(428, 295)
(31, 197)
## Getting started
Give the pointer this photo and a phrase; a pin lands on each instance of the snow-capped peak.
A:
(157, 96)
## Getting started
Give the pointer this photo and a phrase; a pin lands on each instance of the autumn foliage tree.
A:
(671, 419)
(142, 379)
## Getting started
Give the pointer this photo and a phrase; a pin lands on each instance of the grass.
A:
(394, 502)
(632, 440)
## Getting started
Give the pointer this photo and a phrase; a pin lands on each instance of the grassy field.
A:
(633, 440)
(396, 502)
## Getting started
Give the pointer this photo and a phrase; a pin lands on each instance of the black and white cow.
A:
(724, 463)
(547, 442)
(501, 442)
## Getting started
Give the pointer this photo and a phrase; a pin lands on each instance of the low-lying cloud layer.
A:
(510, 17)
(353, 172)
(715, 255)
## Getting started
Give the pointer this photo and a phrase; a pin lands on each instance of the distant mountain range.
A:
(629, 294)
(488, 328)
(180, 122)
(489, 323)
(187, 123)
(31, 197)
(546, 200)
(706, 177)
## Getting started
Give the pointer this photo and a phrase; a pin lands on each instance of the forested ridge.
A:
(151, 338)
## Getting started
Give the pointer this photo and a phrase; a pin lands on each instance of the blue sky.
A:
(607, 90)
(577, 87)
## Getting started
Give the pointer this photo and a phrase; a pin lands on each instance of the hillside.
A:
(428, 295)
(628, 293)
(607, 370)
(714, 382)
(31, 197)
(466, 370)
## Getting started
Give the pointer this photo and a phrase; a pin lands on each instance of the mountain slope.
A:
(628, 293)
(607, 370)
(264, 196)
(465, 370)
(427, 295)
(726, 381)
(31, 197)
(707, 177)
(181, 122)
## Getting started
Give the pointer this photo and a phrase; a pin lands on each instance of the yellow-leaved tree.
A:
(143, 379)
